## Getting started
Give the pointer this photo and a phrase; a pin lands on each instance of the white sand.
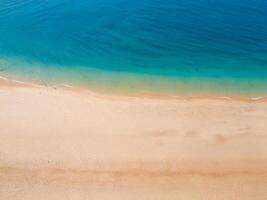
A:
(61, 144)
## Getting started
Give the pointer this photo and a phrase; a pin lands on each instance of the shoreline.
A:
(11, 82)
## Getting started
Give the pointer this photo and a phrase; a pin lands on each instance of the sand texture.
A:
(57, 143)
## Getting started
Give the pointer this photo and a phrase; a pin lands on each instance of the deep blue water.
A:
(201, 39)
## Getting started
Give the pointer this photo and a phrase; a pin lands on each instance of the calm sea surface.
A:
(149, 46)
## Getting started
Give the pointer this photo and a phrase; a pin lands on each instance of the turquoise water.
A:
(149, 46)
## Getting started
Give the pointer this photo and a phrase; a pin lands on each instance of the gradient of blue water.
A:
(180, 38)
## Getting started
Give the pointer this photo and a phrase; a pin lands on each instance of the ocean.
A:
(173, 47)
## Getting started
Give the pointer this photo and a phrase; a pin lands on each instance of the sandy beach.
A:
(60, 143)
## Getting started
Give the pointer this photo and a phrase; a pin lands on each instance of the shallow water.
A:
(171, 46)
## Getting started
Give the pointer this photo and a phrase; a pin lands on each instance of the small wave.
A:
(4, 78)
(258, 98)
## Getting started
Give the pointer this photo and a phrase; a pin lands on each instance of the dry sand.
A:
(58, 143)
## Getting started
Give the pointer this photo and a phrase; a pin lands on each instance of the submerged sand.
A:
(59, 143)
